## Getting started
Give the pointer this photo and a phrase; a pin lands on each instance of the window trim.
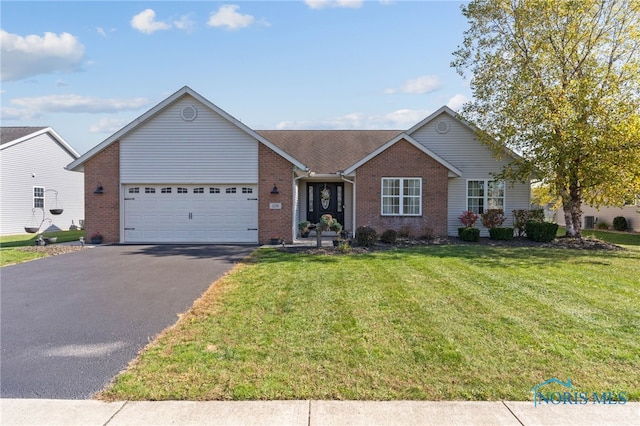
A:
(485, 197)
(401, 196)
(35, 197)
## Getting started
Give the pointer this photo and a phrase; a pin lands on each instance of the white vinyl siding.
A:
(38, 162)
(401, 196)
(476, 162)
(207, 149)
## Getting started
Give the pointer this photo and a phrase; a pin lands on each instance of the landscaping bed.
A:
(586, 243)
(52, 249)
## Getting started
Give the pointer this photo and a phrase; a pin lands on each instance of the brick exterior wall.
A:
(102, 211)
(403, 160)
(274, 169)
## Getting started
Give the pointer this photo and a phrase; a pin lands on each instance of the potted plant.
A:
(275, 240)
(337, 228)
(96, 238)
(304, 229)
(327, 222)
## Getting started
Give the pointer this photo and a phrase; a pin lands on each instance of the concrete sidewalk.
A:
(303, 413)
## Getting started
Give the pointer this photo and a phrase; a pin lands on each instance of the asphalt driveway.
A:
(70, 323)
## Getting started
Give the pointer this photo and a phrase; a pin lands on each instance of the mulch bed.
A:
(52, 249)
(558, 243)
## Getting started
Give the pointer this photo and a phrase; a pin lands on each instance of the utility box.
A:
(589, 222)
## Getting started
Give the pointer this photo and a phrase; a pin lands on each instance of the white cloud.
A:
(456, 102)
(399, 119)
(228, 16)
(145, 22)
(33, 107)
(24, 57)
(185, 23)
(108, 125)
(420, 85)
(104, 32)
(323, 4)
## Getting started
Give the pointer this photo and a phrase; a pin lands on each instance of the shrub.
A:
(602, 225)
(468, 218)
(366, 236)
(493, 218)
(389, 236)
(426, 232)
(619, 223)
(501, 233)
(343, 247)
(405, 231)
(542, 232)
(469, 234)
(521, 217)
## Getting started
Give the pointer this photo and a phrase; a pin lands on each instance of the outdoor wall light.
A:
(99, 189)
(275, 189)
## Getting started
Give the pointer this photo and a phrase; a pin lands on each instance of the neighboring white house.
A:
(591, 216)
(34, 180)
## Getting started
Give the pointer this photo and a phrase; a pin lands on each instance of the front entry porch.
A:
(325, 198)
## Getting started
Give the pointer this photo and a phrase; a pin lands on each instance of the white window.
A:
(183, 190)
(230, 190)
(134, 190)
(485, 194)
(38, 197)
(401, 196)
(214, 190)
(149, 190)
(247, 190)
(198, 190)
(166, 190)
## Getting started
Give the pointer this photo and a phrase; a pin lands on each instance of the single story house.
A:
(34, 181)
(188, 172)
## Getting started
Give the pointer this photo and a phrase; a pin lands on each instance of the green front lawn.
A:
(430, 323)
(9, 255)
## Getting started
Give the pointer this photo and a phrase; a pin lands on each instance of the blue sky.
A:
(87, 68)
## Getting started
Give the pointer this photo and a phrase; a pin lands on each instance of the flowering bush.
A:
(493, 218)
(468, 218)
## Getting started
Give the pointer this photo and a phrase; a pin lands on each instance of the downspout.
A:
(353, 201)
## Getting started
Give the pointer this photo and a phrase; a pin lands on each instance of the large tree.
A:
(558, 81)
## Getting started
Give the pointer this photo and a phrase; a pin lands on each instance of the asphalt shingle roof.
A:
(8, 134)
(328, 151)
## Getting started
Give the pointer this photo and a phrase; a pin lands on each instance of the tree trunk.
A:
(572, 206)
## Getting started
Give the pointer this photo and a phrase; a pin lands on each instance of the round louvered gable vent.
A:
(189, 113)
(442, 126)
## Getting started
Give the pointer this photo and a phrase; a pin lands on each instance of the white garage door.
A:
(190, 214)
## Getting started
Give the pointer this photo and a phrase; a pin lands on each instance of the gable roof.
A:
(186, 90)
(10, 136)
(446, 110)
(453, 171)
(329, 151)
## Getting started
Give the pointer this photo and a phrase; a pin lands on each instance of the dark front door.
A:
(325, 198)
